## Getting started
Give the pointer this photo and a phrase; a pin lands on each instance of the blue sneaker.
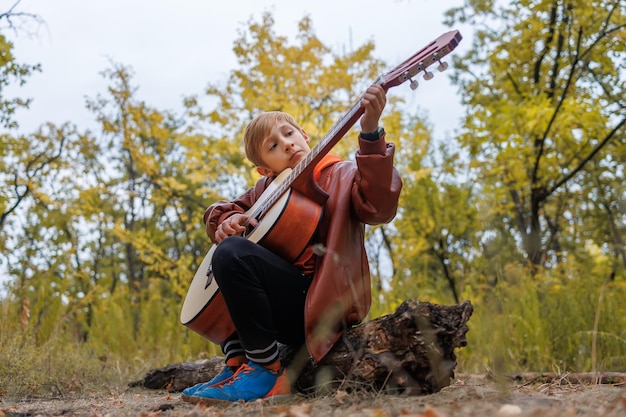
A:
(251, 382)
(225, 374)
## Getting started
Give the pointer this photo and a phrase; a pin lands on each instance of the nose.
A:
(288, 144)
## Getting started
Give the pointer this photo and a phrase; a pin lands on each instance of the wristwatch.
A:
(375, 135)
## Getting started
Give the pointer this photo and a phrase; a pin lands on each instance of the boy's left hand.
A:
(373, 101)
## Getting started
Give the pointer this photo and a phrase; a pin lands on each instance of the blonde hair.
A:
(259, 128)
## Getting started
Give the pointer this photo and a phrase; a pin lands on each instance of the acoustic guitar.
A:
(292, 196)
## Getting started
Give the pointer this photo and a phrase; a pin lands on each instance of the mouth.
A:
(295, 159)
(296, 156)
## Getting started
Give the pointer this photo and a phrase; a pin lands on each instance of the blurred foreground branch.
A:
(410, 351)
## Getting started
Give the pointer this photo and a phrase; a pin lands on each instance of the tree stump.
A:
(410, 351)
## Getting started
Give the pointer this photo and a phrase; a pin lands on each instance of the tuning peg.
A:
(428, 75)
(413, 84)
(442, 64)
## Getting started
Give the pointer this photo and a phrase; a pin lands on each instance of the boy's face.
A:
(284, 147)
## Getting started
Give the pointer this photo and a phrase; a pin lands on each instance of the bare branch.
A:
(593, 153)
(15, 19)
(556, 112)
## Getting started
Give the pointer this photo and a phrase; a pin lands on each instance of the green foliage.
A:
(544, 141)
(305, 80)
(11, 73)
(567, 325)
(545, 105)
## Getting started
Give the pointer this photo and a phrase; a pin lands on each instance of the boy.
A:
(309, 301)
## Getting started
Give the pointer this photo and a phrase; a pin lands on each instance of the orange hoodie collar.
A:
(328, 160)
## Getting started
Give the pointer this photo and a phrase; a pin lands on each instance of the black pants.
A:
(265, 296)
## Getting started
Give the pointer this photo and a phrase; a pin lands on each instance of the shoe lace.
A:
(243, 369)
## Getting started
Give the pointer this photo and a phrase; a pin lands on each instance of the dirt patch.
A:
(471, 396)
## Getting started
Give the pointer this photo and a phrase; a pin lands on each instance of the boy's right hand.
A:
(234, 225)
(373, 101)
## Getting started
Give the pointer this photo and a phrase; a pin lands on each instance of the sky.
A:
(177, 47)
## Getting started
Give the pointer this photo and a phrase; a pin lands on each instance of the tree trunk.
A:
(410, 351)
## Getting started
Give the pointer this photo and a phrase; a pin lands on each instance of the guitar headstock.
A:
(421, 60)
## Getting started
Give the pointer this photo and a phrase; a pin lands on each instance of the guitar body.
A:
(204, 309)
(286, 229)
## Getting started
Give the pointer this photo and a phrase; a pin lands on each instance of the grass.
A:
(524, 325)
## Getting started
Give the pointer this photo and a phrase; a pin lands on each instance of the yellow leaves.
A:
(535, 117)
(5, 51)
(418, 175)
(302, 79)
(173, 184)
(90, 201)
(601, 260)
(42, 196)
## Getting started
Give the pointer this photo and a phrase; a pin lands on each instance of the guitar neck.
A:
(304, 170)
(301, 177)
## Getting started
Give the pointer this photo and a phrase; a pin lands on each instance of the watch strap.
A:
(372, 136)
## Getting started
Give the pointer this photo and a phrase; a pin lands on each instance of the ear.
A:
(306, 137)
(266, 172)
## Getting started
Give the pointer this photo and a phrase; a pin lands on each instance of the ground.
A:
(471, 396)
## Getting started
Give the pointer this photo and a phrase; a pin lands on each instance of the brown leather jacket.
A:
(365, 192)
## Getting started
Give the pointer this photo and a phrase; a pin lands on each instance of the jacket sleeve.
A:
(217, 212)
(377, 185)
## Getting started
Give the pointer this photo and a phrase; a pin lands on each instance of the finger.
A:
(228, 229)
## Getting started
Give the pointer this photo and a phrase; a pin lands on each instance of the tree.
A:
(545, 96)
(306, 80)
(13, 189)
(438, 233)
(13, 73)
